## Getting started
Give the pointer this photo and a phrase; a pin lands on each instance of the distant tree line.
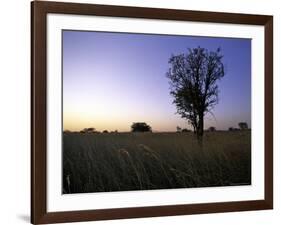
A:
(135, 127)
(92, 130)
(144, 127)
(241, 125)
(182, 130)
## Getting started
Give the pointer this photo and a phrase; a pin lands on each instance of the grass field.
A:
(143, 161)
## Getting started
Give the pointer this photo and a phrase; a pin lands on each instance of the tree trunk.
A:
(194, 129)
(200, 130)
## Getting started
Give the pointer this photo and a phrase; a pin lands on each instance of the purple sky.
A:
(111, 80)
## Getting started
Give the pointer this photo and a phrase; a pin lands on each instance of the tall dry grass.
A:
(142, 161)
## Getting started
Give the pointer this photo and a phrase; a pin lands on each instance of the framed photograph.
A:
(143, 112)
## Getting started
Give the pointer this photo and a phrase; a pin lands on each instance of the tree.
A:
(140, 127)
(243, 125)
(179, 129)
(193, 80)
(88, 130)
(66, 131)
(185, 130)
(211, 129)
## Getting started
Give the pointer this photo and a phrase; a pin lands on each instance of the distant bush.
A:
(105, 131)
(66, 131)
(140, 127)
(243, 125)
(233, 129)
(211, 129)
(89, 130)
(115, 131)
(185, 130)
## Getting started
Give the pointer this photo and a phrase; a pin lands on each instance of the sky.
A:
(111, 80)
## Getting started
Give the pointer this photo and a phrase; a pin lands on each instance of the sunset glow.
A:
(111, 80)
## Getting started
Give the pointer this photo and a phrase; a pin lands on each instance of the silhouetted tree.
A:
(66, 131)
(140, 127)
(243, 125)
(233, 129)
(178, 129)
(105, 131)
(212, 129)
(88, 130)
(184, 130)
(193, 84)
(114, 131)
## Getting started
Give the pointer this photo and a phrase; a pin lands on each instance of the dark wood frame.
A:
(39, 11)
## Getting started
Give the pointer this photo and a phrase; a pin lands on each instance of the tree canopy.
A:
(193, 80)
(243, 125)
(140, 127)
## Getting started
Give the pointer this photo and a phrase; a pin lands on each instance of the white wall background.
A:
(15, 111)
